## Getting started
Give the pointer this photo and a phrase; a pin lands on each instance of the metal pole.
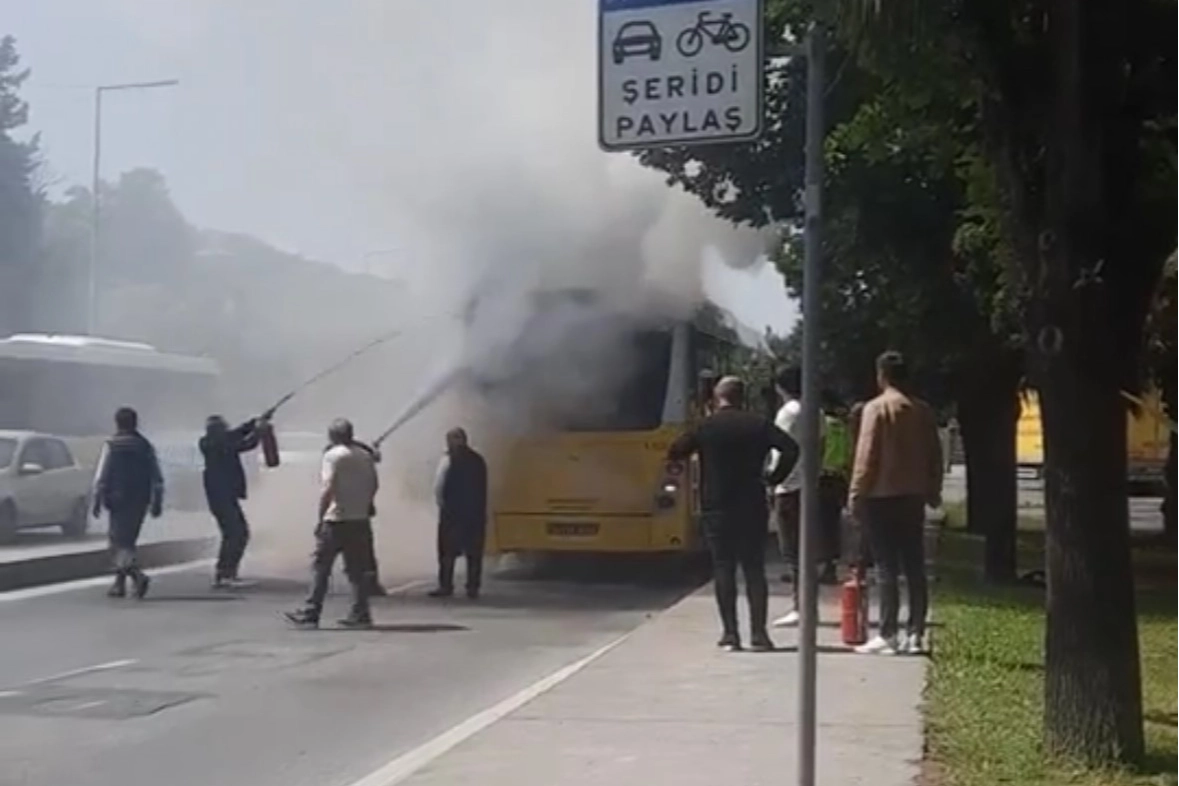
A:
(92, 272)
(811, 458)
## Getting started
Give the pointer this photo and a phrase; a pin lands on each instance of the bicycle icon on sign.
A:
(719, 30)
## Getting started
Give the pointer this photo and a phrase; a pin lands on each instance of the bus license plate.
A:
(571, 530)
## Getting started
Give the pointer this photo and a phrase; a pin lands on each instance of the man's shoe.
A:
(441, 592)
(730, 642)
(879, 645)
(761, 642)
(787, 620)
(117, 590)
(142, 583)
(302, 618)
(220, 583)
(377, 590)
(236, 582)
(913, 644)
(355, 622)
(473, 593)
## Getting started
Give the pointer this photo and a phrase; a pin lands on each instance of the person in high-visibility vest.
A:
(833, 480)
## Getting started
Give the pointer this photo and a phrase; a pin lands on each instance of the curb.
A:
(96, 562)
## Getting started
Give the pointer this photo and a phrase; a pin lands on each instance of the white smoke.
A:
(456, 136)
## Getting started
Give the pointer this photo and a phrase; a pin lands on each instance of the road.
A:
(190, 687)
(1145, 515)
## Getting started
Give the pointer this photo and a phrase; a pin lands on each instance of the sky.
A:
(380, 134)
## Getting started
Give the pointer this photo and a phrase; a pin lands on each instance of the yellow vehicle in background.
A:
(1147, 440)
(597, 480)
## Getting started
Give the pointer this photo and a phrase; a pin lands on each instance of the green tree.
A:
(19, 198)
(1073, 101)
(909, 262)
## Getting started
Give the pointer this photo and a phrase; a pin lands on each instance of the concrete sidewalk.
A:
(665, 706)
(45, 557)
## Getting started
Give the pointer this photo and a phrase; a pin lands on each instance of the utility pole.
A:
(92, 267)
(811, 458)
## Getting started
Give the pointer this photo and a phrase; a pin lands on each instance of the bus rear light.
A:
(674, 468)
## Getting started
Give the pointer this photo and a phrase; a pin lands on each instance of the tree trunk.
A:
(1093, 699)
(1092, 685)
(988, 411)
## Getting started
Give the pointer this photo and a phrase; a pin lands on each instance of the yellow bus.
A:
(596, 479)
(1147, 440)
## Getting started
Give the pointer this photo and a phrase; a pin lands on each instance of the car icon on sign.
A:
(635, 39)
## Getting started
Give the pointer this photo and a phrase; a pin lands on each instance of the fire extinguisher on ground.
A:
(854, 609)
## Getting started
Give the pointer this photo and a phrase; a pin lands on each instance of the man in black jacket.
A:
(460, 489)
(733, 445)
(128, 484)
(225, 488)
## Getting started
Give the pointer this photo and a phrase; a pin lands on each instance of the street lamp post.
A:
(92, 272)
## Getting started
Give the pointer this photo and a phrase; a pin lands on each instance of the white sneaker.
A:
(913, 644)
(789, 620)
(879, 646)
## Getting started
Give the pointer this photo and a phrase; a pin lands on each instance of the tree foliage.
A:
(19, 197)
(268, 317)
(1074, 105)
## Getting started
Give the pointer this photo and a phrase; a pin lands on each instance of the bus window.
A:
(634, 402)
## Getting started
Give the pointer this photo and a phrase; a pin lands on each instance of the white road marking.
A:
(87, 705)
(65, 675)
(4, 694)
(94, 581)
(406, 587)
(405, 765)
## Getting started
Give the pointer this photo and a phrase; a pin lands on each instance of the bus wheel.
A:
(78, 523)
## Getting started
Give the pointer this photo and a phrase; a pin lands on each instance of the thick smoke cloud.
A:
(455, 136)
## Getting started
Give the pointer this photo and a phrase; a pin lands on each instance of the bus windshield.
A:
(579, 366)
(633, 398)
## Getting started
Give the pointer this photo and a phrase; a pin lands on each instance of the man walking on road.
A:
(460, 489)
(128, 484)
(345, 527)
(225, 488)
(787, 500)
(733, 445)
(897, 472)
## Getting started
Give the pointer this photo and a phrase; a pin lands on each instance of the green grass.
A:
(984, 700)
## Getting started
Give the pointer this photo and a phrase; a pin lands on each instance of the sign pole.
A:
(811, 456)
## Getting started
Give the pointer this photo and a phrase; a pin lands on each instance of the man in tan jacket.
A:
(897, 472)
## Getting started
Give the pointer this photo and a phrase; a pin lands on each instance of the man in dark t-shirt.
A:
(733, 445)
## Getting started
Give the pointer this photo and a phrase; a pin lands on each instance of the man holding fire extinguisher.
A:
(225, 488)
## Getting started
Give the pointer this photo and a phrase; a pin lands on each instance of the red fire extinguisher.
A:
(854, 610)
(269, 443)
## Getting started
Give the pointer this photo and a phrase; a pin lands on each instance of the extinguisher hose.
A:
(334, 366)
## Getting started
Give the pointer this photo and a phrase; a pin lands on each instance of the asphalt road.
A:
(1145, 515)
(190, 687)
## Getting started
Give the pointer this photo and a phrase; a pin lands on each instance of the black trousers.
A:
(739, 538)
(832, 498)
(896, 527)
(787, 516)
(235, 534)
(458, 540)
(123, 534)
(353, 539)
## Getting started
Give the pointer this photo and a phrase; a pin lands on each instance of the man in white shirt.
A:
(345, 527)
(787, 507)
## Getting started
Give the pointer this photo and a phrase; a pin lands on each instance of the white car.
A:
(41, 485)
